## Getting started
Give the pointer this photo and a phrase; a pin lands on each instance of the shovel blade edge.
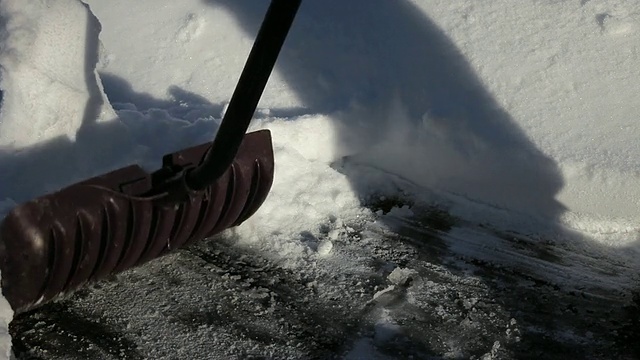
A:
(54, 244)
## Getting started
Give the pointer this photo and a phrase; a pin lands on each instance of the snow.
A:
(522, 117)
(6, 315)
(568, 76)
(49, 66)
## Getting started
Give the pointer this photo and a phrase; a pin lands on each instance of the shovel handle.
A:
(254, 77)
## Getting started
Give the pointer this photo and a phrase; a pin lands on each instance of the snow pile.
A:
(49, 52)
(306, 195)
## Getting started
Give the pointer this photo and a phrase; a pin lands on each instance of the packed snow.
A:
(523, 117)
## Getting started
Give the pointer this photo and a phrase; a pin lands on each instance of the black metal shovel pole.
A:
(244, 101)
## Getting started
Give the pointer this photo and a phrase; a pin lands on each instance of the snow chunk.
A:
(401, 276)
(384, 291)
(325, 248)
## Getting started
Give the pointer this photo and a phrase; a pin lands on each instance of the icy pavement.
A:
(419, 285)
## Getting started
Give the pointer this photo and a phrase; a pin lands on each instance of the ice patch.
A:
(383, 291)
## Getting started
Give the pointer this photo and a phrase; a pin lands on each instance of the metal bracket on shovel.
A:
(54, 244)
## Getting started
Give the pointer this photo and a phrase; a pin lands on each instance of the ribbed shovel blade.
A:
(56, 243)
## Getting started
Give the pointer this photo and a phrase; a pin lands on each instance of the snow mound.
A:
(48, 55)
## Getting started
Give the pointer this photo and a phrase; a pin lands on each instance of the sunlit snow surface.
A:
(454, 179)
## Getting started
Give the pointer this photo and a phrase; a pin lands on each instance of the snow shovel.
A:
(52, 245)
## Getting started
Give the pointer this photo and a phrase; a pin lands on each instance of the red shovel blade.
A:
(54, 244)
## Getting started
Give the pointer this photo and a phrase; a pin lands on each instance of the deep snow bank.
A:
(48, 53)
